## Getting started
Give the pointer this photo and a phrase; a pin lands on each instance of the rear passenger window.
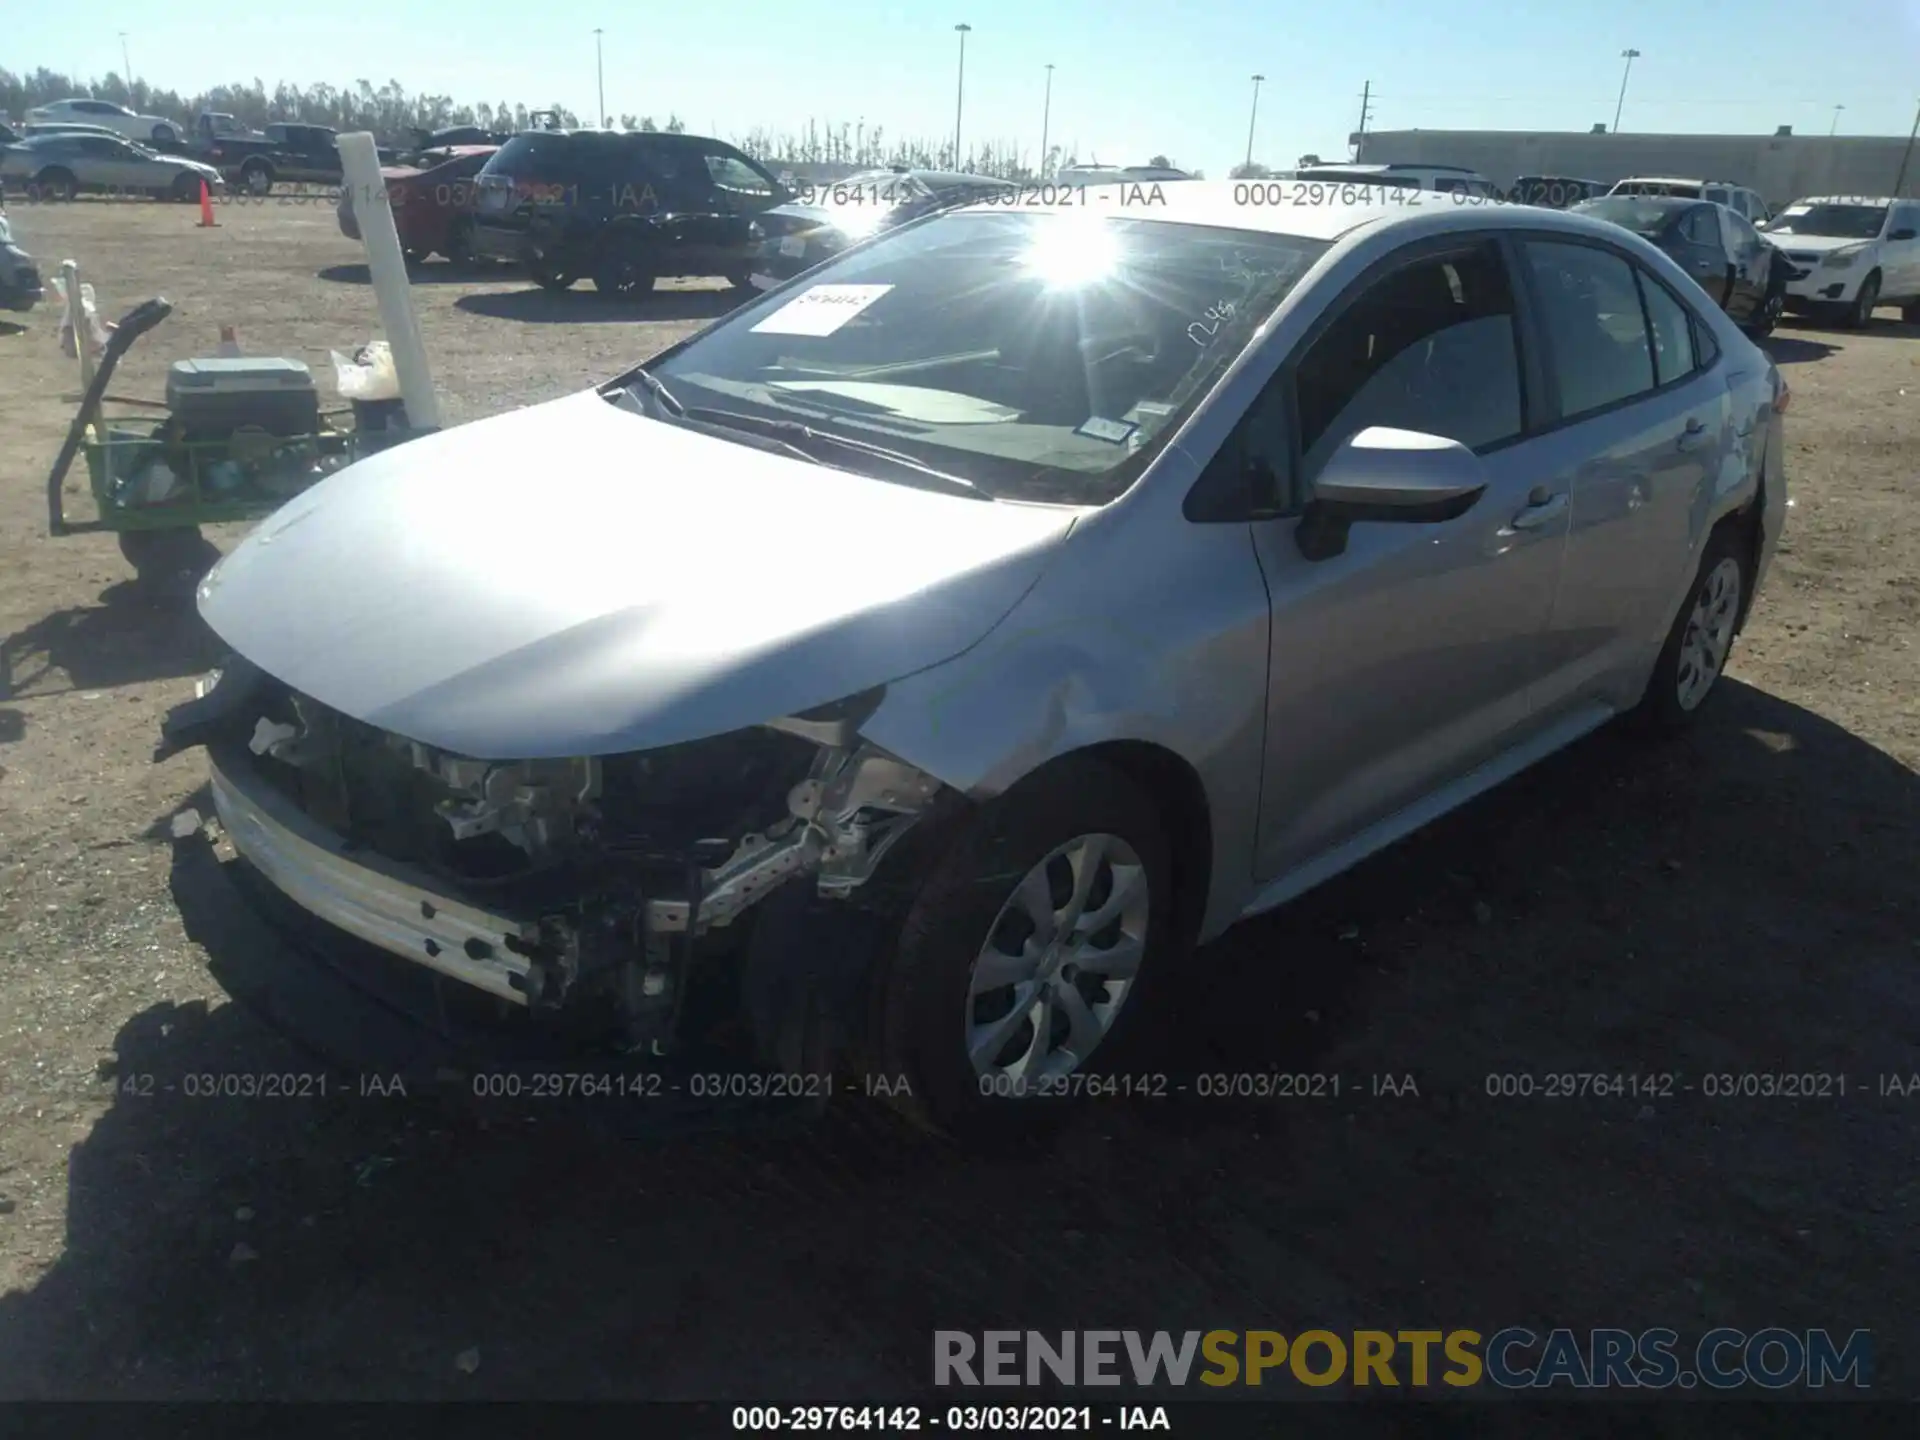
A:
(1429, 347)
(1596, 332)
(1672, 329)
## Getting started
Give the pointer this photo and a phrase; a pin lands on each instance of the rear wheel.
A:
(459, 250)
(740, 279)
(1860, 312)
(1767, 316)
(549, 276)
(1910, 312)
(1697, 648)
(257, 177)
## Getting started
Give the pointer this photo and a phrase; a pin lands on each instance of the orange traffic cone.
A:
(207, 222)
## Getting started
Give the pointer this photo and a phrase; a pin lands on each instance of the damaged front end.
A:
(582, 890)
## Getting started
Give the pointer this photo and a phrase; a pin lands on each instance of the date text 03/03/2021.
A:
(961, 1419)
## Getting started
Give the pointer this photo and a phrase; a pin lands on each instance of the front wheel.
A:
(550, 277)
(1860, 313)
(1024, 950)
(186, 188)
(1767, 316)
(1697, 648)
(1910, 312)
(623, 276)
(54, 183)
(258, 178)
(741, 279)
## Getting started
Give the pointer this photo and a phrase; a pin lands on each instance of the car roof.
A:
(1679, 180)
(1881, 200)
(1671, 202)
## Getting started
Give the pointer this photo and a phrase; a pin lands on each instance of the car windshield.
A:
(1840, 222)
(1643, 217)
(1042, 357)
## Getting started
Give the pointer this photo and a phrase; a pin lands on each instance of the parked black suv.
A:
(621, 209)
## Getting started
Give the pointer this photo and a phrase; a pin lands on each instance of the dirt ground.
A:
(1743, 901)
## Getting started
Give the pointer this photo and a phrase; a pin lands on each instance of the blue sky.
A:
(1131, 79)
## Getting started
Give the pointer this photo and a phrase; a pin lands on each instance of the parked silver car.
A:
(969, 626)
(62, 165)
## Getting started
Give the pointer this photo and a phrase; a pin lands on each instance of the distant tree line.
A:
(393, 114)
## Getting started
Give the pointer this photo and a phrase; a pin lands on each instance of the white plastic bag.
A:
(367, 374)
(97, 333)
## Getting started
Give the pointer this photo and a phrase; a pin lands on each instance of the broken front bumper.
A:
(384, 903)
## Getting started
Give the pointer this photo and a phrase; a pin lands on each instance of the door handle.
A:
(1540, 513)
(1695, 429)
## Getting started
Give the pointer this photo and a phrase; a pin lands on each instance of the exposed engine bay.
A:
(606, 875)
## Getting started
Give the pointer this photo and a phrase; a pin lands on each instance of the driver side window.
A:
(1428, 347)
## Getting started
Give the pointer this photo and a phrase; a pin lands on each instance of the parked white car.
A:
(1849, 253)
(108, 116)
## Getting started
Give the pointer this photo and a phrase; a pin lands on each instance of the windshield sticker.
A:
(820, 310)
(1098, 427)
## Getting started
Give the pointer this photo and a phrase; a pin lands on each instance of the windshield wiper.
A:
(799, 436)
(658, 389)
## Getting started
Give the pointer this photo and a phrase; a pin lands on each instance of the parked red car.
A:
(430, 200)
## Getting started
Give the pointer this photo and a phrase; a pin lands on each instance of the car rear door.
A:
(1406, 661)
(1701, 250)
(1641, 424)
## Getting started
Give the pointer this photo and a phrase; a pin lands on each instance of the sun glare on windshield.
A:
(1068, 252)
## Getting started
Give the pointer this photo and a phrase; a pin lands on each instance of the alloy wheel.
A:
(1703, 651)
(1059, 961)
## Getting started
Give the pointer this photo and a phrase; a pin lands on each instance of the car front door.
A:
(1642, 422)
(111, 164)
(1405, 661)
(1900, 253)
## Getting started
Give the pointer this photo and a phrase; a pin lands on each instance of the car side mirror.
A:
(1384, 475)
(1906, 234)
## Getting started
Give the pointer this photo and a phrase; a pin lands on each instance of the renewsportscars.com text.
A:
(1510, 1359)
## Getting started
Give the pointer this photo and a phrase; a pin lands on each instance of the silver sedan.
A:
(60, 166)
(960, 632)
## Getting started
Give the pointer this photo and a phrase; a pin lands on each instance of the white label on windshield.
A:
(820, 309)
(1098, 427)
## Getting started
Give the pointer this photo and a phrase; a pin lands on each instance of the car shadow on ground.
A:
(1794, 349)
(128, 638)
(585, 306)
(1614, 902)
(432, 272)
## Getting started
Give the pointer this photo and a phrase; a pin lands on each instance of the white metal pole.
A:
(360, 164)
(77, 320)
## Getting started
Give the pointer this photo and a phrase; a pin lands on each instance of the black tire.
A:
(168, 564)
(54, 183)
(1768, 316)
(256, 177)
(547, 277)
(922, 988)
(1670, 703)
(459, 249)
(164, 135)
(186, 188)
(1910, 312)
(740, 279)
(622, 274)
(1859, 315)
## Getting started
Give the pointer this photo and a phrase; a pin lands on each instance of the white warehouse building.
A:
(1782, 166)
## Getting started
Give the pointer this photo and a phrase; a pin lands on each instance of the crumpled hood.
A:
(574, 579)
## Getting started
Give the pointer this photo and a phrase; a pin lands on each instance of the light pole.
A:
(960, 91)
(1629, 56)
(1251, 119)
(600, 78)
(1046, 114)
(1906, 155)
(126, 65)
(1836, 119)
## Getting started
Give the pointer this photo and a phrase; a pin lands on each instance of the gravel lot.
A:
(1742, 901)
